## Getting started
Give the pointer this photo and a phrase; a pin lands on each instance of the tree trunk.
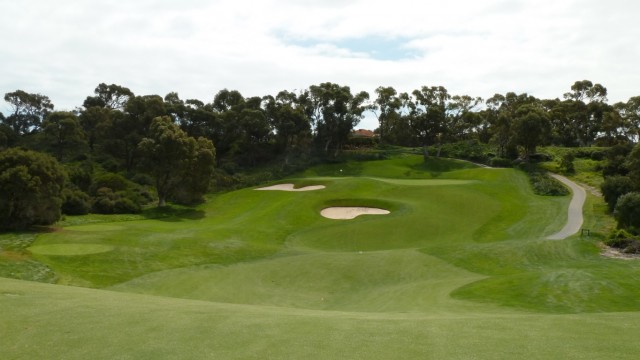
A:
(425, 152)
(326, 146)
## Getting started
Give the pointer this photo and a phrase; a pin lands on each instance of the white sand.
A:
(289, 187)
(346, 213)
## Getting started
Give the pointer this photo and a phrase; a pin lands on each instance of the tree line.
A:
(120, 150)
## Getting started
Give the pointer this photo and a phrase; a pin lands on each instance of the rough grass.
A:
(459, 269)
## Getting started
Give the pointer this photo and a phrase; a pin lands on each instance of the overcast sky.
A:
(64, 48)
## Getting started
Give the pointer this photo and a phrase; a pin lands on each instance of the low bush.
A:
(500, 162)
(542, 183)
(75, 202)
(624, 241)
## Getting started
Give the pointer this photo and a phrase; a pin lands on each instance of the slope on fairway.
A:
(384, 281)
(41, 321)
(459, 269)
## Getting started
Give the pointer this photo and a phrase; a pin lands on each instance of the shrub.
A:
(500, 162)
(540, 157)
(75, 202)
(566, 163)
(627, 211)
(624, 241)
(613, 187)
(108, 202)
(542, 183)
(125, 206)
(115, 182)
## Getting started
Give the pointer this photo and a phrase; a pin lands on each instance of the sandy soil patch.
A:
(347, 213)
(614, 253)
(290, 187)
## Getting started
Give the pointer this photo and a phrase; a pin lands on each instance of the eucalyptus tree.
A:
(335, 111)
(463, 121)
(630, 113)
(386, 107)
(27, 111)
(125, 129)
(428, 115)
(587, 103)
(291, 125)
(63, 135)
(177, 161)
(531, 128)
(113, 97)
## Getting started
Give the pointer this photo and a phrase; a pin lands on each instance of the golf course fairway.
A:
(459, 268)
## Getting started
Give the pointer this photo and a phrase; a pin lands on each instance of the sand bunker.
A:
(347, 213)
(290, 187)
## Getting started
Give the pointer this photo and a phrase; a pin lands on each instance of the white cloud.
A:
(196, 47)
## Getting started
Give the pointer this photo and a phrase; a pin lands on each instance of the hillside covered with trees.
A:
(118, 151)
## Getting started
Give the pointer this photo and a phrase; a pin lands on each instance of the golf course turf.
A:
(460, 268)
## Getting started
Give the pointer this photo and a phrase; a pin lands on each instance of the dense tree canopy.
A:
(176, 160)
(150, 141)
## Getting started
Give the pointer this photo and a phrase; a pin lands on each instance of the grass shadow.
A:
(437, 166)
(173, 213)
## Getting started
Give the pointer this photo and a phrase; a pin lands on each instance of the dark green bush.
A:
(108, 202)
(500, 162)
(115, 182)
(75, 202)
(566, 163)
(471, 150)
(542, 183)
(627, 212)
(613, 187)
(624, 241)
(125, 206)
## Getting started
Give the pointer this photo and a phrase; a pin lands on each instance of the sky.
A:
(63, 49)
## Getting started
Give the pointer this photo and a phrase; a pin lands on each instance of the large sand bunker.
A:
(290, 187)
(347, 213)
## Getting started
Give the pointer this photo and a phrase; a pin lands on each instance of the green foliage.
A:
(617, 160)
(76, 202)
(542, 183)
(566, 163)
(31, 186)
(623, 240)
(627, 212)
(63, 135)
(181, 165)
(106, 201)
(114, 194)
(614, 187)
(500, 162)
(471, 149)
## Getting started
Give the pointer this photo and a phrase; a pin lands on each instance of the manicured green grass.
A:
(459, 269)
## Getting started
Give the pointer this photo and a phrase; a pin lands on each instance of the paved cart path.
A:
(574, 220)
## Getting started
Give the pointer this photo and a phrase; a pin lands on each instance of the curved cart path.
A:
(574, 220)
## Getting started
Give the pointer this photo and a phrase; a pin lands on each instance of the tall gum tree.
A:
(174, 159)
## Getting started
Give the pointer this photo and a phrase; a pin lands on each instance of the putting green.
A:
(70, 249)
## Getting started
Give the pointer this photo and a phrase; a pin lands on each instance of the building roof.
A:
(363, 133)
